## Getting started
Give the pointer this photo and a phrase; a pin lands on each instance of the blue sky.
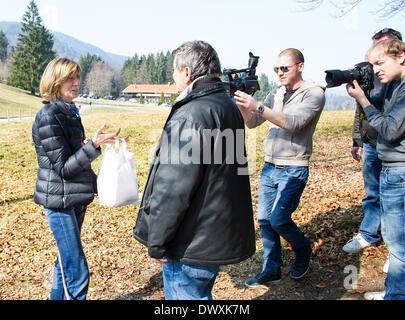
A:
(232, 27)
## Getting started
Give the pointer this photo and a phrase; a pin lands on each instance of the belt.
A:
(276, 165)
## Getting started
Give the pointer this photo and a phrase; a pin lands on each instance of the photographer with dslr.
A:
(364, 142)
(293, 111)
(388, 60)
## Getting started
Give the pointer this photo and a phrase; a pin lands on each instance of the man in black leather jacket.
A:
(196, 212)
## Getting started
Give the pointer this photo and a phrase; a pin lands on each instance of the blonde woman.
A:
(66, 183)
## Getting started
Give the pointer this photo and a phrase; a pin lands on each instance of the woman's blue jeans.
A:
(66, 227)
(371, 202)
(188, 282)
(392, 197)
(280, 191)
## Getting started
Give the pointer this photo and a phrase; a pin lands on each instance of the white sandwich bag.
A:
(117, 183)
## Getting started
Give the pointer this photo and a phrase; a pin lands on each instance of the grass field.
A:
(14, 101)
(329, 213)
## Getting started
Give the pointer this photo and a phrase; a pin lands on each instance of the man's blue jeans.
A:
(371, 202)
(280, 191)
(392, 195)
(188, 282)
(66, 227)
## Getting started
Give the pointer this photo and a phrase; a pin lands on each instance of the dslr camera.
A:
(243, 79)
(362, 72)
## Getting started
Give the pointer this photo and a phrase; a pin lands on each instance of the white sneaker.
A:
(386, 265)
(356, 244)
(374, 295)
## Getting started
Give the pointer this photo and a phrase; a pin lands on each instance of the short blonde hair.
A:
(57, 72)
(391, 47)
(294, 53)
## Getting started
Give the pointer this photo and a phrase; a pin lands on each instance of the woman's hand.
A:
(100, 137)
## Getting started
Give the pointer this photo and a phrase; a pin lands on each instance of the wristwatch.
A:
(260, 109)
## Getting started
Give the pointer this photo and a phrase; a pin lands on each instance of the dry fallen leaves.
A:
(329, 213)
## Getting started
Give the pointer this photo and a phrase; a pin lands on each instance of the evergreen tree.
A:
(3, 46)
(160, 69)
(151, 67)
(33, 51)
(265, 87)
(126, 76)
(169, 67)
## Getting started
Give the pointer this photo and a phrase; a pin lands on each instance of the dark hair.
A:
(295, 53)
(391, 33)
(200, 57)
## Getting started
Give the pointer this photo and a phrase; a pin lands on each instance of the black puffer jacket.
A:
(199, 213)
(65, 178)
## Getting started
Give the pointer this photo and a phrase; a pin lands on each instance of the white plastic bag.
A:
(117, 183)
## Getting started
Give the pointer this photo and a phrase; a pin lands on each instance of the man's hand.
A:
(355, 91)
(356, 153)
(247, 104)
(246, 101)
(162, 261)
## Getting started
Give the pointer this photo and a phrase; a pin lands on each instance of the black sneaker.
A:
(301, 264)
(263, 278)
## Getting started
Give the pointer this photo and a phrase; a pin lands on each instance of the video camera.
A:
(247, 81)
(362, 72)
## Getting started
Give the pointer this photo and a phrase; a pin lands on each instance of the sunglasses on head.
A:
(393, 33)
(284, 68)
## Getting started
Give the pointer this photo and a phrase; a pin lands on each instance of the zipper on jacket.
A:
(63, 193)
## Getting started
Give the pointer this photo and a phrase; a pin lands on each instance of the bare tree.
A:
(386, 10)
(100, 79)
(141, 75)
(5, 67)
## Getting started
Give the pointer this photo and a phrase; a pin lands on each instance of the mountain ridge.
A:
(66, 45)
(71, 47)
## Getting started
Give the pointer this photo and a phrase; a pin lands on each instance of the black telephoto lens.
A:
(335, 78)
